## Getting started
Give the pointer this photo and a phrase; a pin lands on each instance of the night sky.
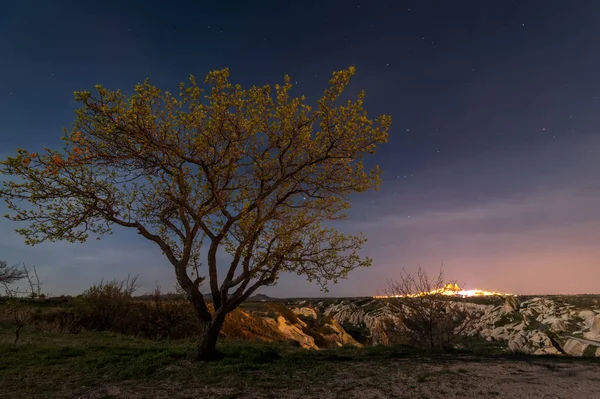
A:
(493, 163)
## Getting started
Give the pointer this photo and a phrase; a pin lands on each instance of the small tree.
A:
(254, 172)
(18, 305)
(431, 317)
(10, 274)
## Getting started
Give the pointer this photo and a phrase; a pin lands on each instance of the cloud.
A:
(544, 241)
(519, 213)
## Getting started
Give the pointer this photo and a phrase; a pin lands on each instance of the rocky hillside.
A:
(375, 318)
(302, 326)
(560, 325)
(542, 325)
(568, 325)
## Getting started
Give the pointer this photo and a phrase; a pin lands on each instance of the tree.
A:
(10, 274)
(17, 304)
(254, 172)
(431, 318)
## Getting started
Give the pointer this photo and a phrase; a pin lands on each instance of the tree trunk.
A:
(17, 330)
(207, 346)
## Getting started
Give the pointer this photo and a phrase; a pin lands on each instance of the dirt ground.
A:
(401, 378)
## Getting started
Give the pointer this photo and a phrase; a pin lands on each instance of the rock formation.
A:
(540, 325)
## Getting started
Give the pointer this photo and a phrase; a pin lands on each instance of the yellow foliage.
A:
(256, 171)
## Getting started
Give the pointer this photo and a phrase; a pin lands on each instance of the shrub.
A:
(164, 316)
(59, 320)
(108, 306)
(430, 318)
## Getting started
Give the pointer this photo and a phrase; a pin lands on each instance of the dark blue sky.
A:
(492, 163)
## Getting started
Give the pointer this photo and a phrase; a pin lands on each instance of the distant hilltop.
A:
(450, 289)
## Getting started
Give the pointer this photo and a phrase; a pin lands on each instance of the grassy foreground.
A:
(107, 365)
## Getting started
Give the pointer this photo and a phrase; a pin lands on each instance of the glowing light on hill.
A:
(450, 290)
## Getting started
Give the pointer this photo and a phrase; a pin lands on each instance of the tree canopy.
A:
(254, 171)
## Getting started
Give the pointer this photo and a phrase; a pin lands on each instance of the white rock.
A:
(306, 312)
(584, 314)
(517, 342)
(559, 325)
(547, 350)
(574, 347)
(510, 304)
(498, 333)
(594, 333)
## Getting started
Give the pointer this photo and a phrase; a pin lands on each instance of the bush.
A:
(108, 306)
(112, 307)
(430, 318)
(165, 317)
(59, 320)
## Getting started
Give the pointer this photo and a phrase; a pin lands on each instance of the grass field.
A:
(106, 365)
